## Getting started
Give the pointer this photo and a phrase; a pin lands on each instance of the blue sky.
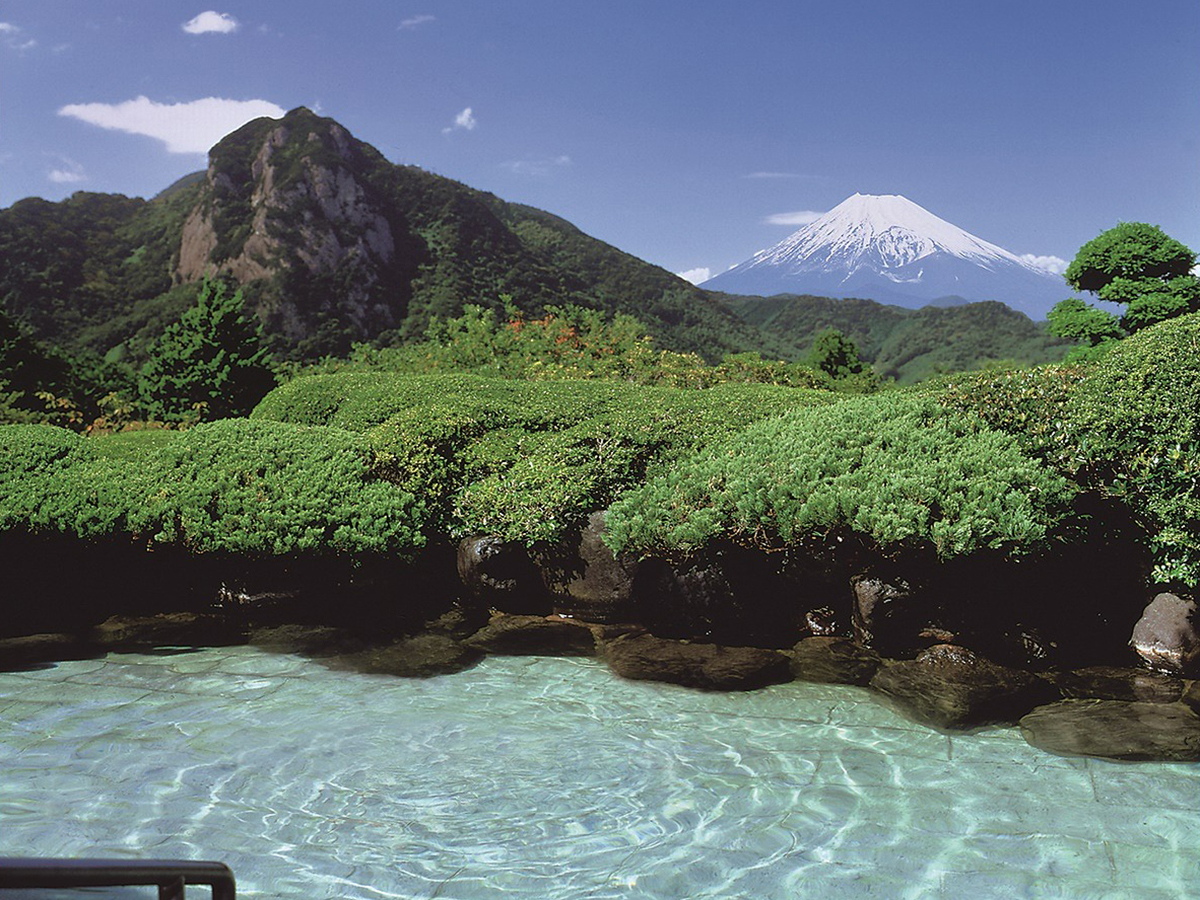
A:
(691, 134)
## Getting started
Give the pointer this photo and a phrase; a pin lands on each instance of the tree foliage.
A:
(1076, 320)
(568, 342)
(1134, 265)
(210, 364)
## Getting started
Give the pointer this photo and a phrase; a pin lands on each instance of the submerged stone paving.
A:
(552, 778)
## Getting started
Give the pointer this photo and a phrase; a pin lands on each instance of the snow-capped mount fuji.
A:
(889, 249)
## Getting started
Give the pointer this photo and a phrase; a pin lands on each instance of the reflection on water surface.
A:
(552, 778)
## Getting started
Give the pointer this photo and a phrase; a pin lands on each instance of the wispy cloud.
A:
(69, 172)
(697, 275)
(465, 121)
(1053, 264)
(538, 167)
(416, 22)
(14, 37)
(799, 217)
(211, 22)
(184, 127)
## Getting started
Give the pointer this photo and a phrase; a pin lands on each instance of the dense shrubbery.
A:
(569, 342)
(341, 467)
(337, 462)
(1029, 404)
(233, 486)
(1135, 421)
(526, 460)
(895, 471)
(1125, 427)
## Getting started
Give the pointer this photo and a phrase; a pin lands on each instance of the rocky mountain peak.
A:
(291, 197)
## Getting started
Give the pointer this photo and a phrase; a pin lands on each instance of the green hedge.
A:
(524, 459)
(1124, 426)
(897, 471)
(1136, 424)
(235, 486)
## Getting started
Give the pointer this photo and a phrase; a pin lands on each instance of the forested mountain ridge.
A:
(907, 344)
(333, 244)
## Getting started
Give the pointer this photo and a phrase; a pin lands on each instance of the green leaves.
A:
(210, 364)
(234, 486)
(1131, 250)
(896, 470)
(1135, 265)
(524, 459)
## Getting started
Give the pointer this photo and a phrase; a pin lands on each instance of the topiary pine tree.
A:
(211, 364)
(1137, 266)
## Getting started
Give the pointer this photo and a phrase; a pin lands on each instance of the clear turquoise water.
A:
(551, 778)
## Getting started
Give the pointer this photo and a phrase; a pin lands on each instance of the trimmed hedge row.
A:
(1125, 427)
(371, 464)
(896, 470)
(524, 460)
(236, 486)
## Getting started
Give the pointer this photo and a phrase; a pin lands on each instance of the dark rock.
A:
(1113, 683)
(729, 595)
(310, 640)
(414, 657)
(610, 631)
(459, 622)
(893, 617)
(501, 574)
(1116, 729)
(34, 649)
(709, 666)
(177, 629)
(951, 687)
(834, 660)
(1166, 636)
(587, 579)
(1191, 695)
(539, 635)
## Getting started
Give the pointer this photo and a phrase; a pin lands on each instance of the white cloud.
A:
(538, 167)
(210, 22)
(14, 37)
(416, 22)
(184, 127)
(697, 275)
(464, 120)
(70, 172)
(800, 217)
(1053, 264)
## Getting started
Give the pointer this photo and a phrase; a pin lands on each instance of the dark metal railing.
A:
(169, 875)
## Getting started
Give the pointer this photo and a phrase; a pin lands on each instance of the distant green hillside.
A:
(95, 269)
(333, 244)
(905, 344)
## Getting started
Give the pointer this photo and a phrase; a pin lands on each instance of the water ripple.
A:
(550, 778)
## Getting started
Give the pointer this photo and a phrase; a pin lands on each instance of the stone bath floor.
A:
(549, 778)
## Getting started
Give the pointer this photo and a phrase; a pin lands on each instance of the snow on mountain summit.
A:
(887, 248)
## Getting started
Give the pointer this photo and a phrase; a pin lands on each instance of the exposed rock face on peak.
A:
(332, 244)
(889, 249)
(292, 197)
